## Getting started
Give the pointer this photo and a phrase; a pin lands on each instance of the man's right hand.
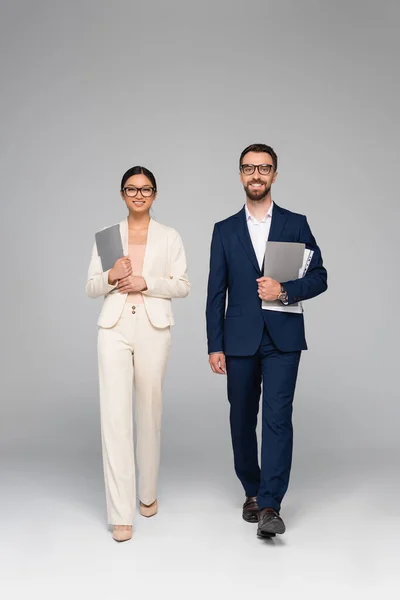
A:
(121, 269)
(217, 363)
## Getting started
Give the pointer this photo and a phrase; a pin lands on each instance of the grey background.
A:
(89, 89)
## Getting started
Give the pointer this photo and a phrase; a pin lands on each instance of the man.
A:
(255, 346)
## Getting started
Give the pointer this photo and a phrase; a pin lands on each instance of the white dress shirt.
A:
(259, 232)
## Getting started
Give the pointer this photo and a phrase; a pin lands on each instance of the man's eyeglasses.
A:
(262, 169)
(146, 191)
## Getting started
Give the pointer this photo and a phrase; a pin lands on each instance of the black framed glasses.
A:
(262, 169)
(146, 191)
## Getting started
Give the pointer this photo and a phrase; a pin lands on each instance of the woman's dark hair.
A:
(260, 148)
(138, 171)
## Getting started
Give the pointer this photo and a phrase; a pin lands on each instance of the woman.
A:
(134, 338)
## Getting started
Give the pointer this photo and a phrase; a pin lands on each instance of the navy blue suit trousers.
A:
(274, 372)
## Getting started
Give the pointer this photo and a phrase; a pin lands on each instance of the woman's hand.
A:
(132, 283)
(120, 270)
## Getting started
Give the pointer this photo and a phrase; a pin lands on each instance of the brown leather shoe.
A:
(250, 509)
(269, 523)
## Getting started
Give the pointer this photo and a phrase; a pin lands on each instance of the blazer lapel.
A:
(243, 234)
(279, 218)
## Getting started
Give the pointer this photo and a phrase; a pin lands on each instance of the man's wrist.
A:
(283, 295)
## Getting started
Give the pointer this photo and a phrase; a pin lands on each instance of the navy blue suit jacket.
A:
(234, 269)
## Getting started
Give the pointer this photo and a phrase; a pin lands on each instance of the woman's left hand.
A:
(130, 284)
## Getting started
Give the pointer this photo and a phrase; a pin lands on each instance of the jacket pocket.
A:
(234, 311)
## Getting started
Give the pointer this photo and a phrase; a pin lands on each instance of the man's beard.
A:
(256, 197)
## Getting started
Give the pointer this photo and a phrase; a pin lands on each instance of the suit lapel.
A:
(242, 231)
(279, 218)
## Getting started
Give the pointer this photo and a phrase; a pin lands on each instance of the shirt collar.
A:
(250, 217)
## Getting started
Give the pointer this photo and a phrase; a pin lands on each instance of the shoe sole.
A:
(265, 536)
(272, 529)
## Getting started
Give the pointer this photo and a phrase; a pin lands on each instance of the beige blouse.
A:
(136, 254)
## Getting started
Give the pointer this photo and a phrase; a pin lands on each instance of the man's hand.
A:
(132, 283)
(268, 288)
(217, 363)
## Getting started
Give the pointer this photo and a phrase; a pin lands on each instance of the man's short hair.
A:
(261, 148)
